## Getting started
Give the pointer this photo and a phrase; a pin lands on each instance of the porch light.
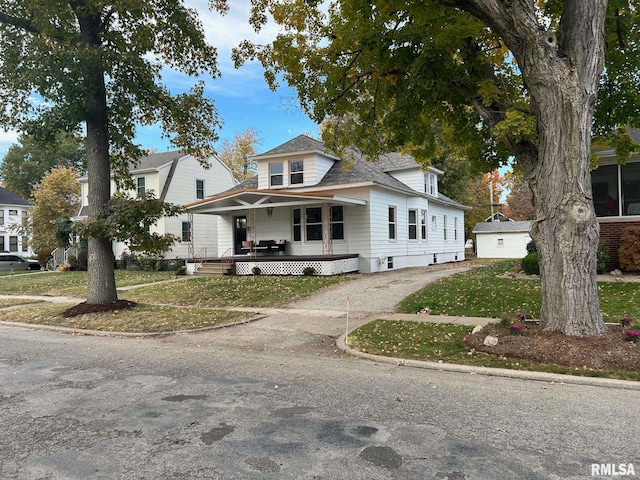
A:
(269, 211)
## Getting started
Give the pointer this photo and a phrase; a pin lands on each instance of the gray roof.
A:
(635, 134)
(356, 169)
(302, 143)
(10, 198)
(502, 227)
(156, 160)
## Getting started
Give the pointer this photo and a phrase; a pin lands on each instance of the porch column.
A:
(327, 244)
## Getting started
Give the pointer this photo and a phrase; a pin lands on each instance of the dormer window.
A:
(430, 185)
(275, 174)
(296, 170)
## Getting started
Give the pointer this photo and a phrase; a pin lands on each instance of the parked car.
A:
(11, 263)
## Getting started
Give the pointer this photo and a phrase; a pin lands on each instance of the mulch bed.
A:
(85, 307)
(608, 351)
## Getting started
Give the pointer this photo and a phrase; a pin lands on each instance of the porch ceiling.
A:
(252, 199)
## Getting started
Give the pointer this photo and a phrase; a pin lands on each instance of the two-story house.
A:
(176, 178)
(335, 215)
(13, 211)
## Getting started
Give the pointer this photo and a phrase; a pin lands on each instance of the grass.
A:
(443, 342)
(236, 291)
(71, 283)
(143, 318)
(481, 293)
(10, 302)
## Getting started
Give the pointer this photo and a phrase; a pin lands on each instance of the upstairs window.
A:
(13, 212)
(296, 171)
(199, 189)
(275, 174)
(2, 218)
(141, 186)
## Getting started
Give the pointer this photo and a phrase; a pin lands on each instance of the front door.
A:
(239, 233)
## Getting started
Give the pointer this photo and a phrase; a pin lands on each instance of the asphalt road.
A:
(263, 401)
(274, 399)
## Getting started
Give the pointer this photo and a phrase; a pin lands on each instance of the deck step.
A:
(215, 269)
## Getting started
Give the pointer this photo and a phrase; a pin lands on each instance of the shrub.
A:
(531, 247)
(73, 262)
(530, 264)
(256, 270)
(309, 271)
(181, 271)
(603, 256)
(629, 253)
(83, 258)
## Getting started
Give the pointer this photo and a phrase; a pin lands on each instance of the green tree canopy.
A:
(99, 64)
(25, 164)
(494, 80)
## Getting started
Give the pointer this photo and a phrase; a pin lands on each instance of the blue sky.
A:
(241, 95)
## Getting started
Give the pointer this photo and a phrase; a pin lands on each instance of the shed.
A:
(502, 239)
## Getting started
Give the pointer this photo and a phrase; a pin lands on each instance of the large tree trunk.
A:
(101, 284)
(562, 81)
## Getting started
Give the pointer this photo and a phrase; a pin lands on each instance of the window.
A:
(297, 225)
(186, 231)
(199, 189)
(444, 220)
(434, 223)
(13, 243)
(296, 170)
(13, 212)
(313, 221)
(337, 222)
(1, 217)
(501, 242)
(455, 228)
(2, 244)
(423, 224)
(25, 244)
(430, 188)
(389, 262)
(392, 223)
(275, 174)
(616, 189)
(141, 185)
(413, 224)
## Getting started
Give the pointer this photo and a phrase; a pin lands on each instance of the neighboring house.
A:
(349, 213)
(13, 211)
(616, 197)
(507, 239)
(178, 179)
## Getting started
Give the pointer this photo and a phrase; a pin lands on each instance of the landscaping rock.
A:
(490, 341)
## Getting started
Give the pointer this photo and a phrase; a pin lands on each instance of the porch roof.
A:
(252, 198)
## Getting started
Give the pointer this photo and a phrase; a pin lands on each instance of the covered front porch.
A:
(281, 233)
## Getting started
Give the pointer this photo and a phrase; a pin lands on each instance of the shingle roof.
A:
(155, 160)
(635, 134)
(10, 198)
(355, 169)
(302, 143)
(502, 227)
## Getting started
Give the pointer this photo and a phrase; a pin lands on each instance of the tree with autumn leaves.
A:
(529, 80)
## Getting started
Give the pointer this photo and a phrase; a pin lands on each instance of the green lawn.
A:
(71, 283)
(236, 291)
(482, 293)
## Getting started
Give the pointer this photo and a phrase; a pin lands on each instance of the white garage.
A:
(502, 239)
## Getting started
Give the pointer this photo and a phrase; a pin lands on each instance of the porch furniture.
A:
(280, 246)
(247, 246)
(264, 246)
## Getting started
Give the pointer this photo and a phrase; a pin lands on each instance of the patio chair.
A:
(264, 245)
(247, 246)
(280, 246)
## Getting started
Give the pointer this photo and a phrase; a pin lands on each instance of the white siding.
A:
(502, 245)
(315, 168)
(10, 228)
(412, 178)
(451, 249)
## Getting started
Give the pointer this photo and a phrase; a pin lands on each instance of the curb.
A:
(101, 333)
(491, 372)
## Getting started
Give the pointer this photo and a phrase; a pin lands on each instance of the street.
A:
(262, 400)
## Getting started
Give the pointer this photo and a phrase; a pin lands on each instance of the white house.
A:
(13, 210)
(502, 239)
(335, 214)
(178, 179)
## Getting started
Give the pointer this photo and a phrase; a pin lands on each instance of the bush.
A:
(83, 259)
(530, 264)
(181, 271)
(603, 257)
(256, 270)
(531, 247)
(309, 271)
(629, 253)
